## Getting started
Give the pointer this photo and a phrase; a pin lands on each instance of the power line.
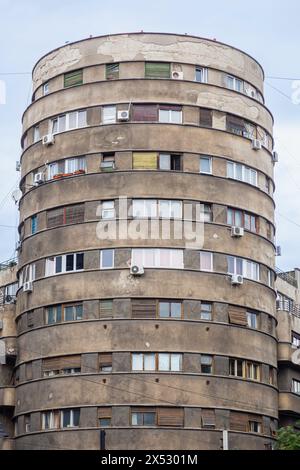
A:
(289, 220)
(279, 91)
(282, 78)
(15, 73)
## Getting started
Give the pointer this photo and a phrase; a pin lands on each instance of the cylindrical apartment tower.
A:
(161, 341)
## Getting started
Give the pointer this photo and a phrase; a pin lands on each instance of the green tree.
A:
(288, 439)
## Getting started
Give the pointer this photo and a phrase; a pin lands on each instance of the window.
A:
(25, 141)
(70, 418)
(169, 309)
(234, 83)
(72, 312)
(64, 263)
(107, 259)
(236, 367)
(255, 427)
(143, 362)
(206, 214)
(144, 208)
(10, 292)
(53, 314)
(112, 71)
(143, 308)
(170, 209)
(27, 274)
(144, 112)
(104, 417)
(252, 319)
(169, 362)
(105, 362)
(206, 261)
(144, 160)
(108, 161)
(65, 216)
(206, 311)
(68, 121)
(238, 126)
(109, 114)
(36, 134)
(296, 386)
(106, 308)
(272, 375)
(205, 165)
(33, 224)
(248, 269)
(252, 371)
(46, 88)
(206, 117)
(50, 420)
(73, 78)
(242, 173)
(208, 419)
(66, 365)
(295, 339)
(157, 258)
(67, 312)
(108, 210)
(170, 114)
(146, 417)
(157, 70)
(30, 319)
(65, 167)
(169, 162)
(27, 422)
(206, 364)
(201, 74)
(238, 218)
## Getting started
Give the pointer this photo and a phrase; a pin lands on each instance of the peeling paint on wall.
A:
(56, 63)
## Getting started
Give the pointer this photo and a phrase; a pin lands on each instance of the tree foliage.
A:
(288, 439)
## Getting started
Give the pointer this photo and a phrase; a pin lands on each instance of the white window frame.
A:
(51, 420)
(27, 274)
(109, 117)
(171, 357)
(205, 157)
(170, 204)
(79, 163)
(101, 259)
(141, 358)
(250, 316)
(50, 265)
(157, 252)
(296, 386)
(170, 116)
(11, 289)
(36, 134)
(46, 88)
(254, 267)
(204, 73)
(235, 82)
(67, 118)
(210, 254)
(253, 173)
(71, 425)
(106, 211)
(144, 205)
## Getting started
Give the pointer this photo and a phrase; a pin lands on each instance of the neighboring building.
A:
(170, 358)
(8, 351)
(288, 332)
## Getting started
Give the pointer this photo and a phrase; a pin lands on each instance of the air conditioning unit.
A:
(177, 75)
(39, 178)
(136, 270)
(275, 157)
(10, 299)
(28, 286)
(123, 115)
(256, 144)
(237, 279)
(237, 231)
(48, 139)
(107, 165)
(278, 250)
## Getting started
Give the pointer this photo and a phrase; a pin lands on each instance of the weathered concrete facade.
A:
(80, 330)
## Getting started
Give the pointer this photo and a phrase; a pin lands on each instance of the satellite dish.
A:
(16, 195)
(296, 357)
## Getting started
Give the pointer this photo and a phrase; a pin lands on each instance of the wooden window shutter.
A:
(106, 309)
(70, 362)
(143, 409)
(51, 363)
(238, 421)
(112, 71)
(170, 417)
(28, 371)
(208, 418)
(170, 107)
(144, 112)
(74, 214)
(237, 316)
(206, 117)
(55, 217)
(157, 70)
(105, 359)
(73, 78)
(104, 412)
(30, 319)
(144, 160)
(143, 308)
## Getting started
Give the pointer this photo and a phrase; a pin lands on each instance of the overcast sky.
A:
(268, 30)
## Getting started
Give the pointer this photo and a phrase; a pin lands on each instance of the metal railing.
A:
(8, 264)
(288, 306)
(286, 277)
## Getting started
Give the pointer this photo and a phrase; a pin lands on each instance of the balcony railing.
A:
(286, 277)
(8, 264)
(288, 306)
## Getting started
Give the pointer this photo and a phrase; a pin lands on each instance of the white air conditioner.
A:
(237, 231)
(136, 270)
(275, 157)
(39, 178)
(278, 250)
(237, 279)
(10, 299)
(177, 75)
(107, 165)
(256, 144)
(28, 286)
(48, 139)
(123, 115)
(11, 352)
